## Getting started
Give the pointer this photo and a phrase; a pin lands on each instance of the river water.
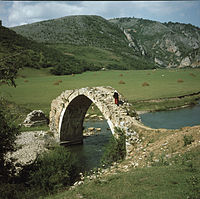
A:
(90, 152)
(173, 119)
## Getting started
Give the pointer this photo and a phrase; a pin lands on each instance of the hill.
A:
(125, 43)
(16, 48)
(18, 51)
(167, 44)
(102, 43)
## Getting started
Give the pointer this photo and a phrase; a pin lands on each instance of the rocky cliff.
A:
(167, 44)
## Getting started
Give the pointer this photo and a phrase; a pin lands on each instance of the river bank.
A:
(162, 104)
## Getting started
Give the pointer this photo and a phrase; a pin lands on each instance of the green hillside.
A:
(16, 48)
(85, 37)
(166, 44)
(17, 51)
(135, 43)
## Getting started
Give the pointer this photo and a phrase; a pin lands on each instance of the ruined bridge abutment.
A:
(68, 112)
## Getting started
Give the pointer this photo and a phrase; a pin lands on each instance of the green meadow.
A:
(171, 180)
(37, 88)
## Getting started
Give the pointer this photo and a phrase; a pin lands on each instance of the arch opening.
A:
(71, 130)
(72, 120)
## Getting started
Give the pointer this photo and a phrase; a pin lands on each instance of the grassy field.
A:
(180, 180)
(37, 88)
(176, 178)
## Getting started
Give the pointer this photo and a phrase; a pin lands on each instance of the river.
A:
(173, 119)
(90, 152)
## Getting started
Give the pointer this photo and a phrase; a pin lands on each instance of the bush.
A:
(8, 134)
(188, 139)
(52, 170)
(115, 150)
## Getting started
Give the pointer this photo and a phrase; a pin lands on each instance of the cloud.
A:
(28, 12)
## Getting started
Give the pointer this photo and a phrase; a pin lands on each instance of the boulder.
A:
(91, 129)
(185, 62)
(35, 118)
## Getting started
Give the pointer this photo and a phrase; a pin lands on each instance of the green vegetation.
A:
(51, 171)
(167, 42)
(188, 139)
(8, 134)
(40, 90)
(166, 104)
(115, 151)
(180, 180)
(17, 52)
(89, 43)
(73, 45)
(8, 129)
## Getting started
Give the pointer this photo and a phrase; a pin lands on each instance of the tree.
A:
(8, 131)
(8, 134)
(8, 70)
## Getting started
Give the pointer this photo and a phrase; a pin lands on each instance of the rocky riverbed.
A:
(32, 143)
(29, 145)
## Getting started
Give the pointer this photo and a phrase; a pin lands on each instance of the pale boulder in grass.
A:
(35, 118)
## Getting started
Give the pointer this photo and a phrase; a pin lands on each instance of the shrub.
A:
(52, 170)
(145, 84)
(115, 151)
(8, 135)
(188, 139)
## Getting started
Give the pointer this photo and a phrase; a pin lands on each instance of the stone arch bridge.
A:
(68, 112)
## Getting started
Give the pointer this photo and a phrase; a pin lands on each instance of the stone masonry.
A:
(68, 112)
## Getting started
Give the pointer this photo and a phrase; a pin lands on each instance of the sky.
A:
(15, 13)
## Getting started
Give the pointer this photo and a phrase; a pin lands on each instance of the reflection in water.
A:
(173, 119)
(90, 152)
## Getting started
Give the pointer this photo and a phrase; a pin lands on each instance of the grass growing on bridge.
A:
(37, 88)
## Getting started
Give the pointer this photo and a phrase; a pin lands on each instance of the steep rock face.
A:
(168, 44)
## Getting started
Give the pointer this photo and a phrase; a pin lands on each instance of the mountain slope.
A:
(18, 51)
(82, 31)
(16, 48)
(167, 44)
(76, 30)
(137, 43)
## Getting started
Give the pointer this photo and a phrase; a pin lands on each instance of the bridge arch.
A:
(68, 112)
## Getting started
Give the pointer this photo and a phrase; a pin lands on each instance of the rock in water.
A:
(35, 118)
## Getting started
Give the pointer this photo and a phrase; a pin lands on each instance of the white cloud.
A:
(28, 12)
